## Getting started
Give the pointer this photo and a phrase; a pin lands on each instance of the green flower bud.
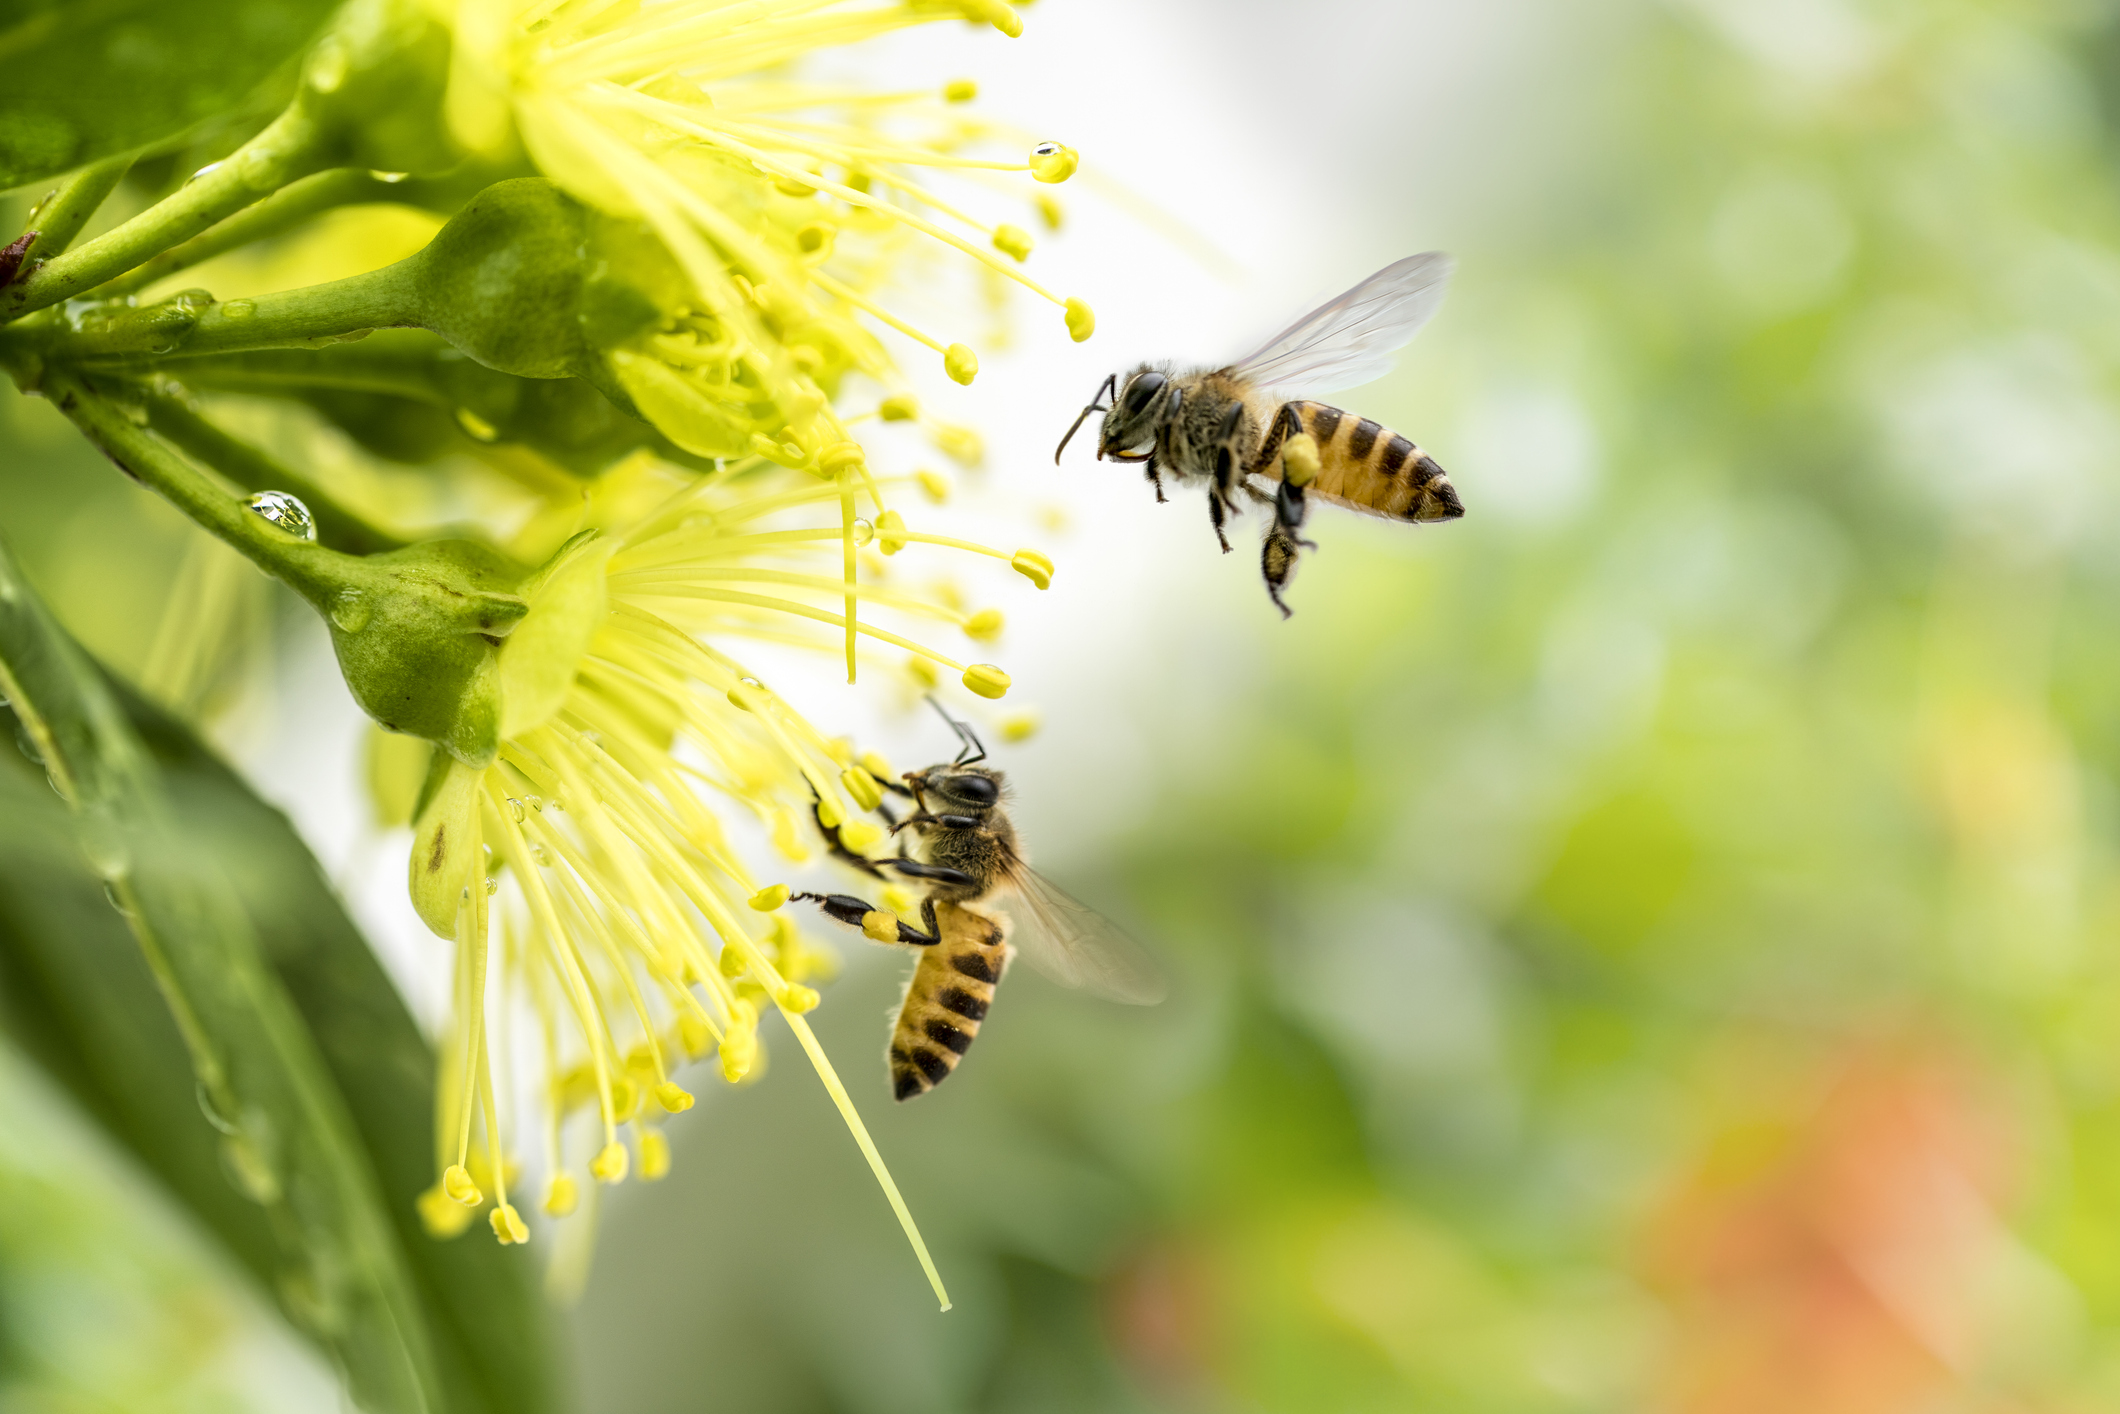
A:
(503, 281)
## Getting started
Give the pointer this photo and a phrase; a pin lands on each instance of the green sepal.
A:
(445, 845)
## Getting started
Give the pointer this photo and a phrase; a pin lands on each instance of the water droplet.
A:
(537, 852)
(350, 610)
(515, 809)
(391, 177)
(203, 171)
(239, 309)
(535, 802)
(248, 1170)
(212, 1112)
(476, 427)
(285, 511)
(110, 895)
(493, 886)
(863, 532)
(592, 738)
(26, 743)
(750, 682)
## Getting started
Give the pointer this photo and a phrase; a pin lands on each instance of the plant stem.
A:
(289, 148)
(252, 469)
(311, 570)
(308, 318)
(293, 203)
(60, 216)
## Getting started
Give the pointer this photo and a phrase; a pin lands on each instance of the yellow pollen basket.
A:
(880, 925)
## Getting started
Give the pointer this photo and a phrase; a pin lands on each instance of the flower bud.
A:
(503, 281)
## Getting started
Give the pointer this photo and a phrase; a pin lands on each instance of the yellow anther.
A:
(609, 1165)
(921, 671)
(673, 1097)
(840, 749)
(860, 835)
(862, 786)
(898, 407)
(960, 363)
(900, 899)
(654, 1155)
(995, 13)
(816, 238)
(560, 1196)
(934, 484)
(1034, 567)
(1054, 162)
(805, 358)
(769, 898)
(739, 1049)
(441, 1215)
(1012, 241)
(799, 999)
(829, 814)
(881, 925)
(508, 1225)
(1049, 210)
(874, 763)
(843, 454)
(960, 444)
(1020, 726)
(983, 625)
(986, 680)
(1081, 321)
(890, 532)
(959, 91)
(625, 1098)
(693, 1034)
(788, 186)
(456, 1182)
(730, 963)
(1299, 459)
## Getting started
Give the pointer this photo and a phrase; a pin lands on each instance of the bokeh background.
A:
(1647, 946)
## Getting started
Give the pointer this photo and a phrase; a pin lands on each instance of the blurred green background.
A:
(1647, 946)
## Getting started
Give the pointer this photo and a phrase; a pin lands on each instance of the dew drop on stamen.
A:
(515, 809)
(493, 886)
(535, 802)
(863, 532)
(285, 511)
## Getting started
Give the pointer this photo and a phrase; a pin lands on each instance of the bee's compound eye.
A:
(1142, 390)
(977, 789)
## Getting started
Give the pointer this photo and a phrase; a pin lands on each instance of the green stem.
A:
(284, 209)
(290, 147)
(254, 470)
(316, 573)
(190, 325)
(60, 216)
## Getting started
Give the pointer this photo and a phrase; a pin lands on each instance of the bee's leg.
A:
(913, 868)
(1154, 473)
(1289, 509)
(1277, 562)
(838, 850)
(1221, 498)
(1215, 514)
(856, 912)
(1285, 425)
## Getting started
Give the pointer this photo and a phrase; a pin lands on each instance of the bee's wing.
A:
(1350, 340)
(1079, 947)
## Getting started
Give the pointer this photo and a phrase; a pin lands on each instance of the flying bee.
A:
(1232, 430)
(960, 843)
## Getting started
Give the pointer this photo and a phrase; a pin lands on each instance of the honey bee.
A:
(1232, 430)
(968, 855)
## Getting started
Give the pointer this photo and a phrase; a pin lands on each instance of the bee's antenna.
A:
(973, 752)
(1109, 389)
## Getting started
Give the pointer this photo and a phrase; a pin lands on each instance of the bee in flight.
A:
(1231, 429)
(968, 855)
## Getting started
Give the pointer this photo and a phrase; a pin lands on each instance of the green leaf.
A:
(298, 1047)
(85, 79)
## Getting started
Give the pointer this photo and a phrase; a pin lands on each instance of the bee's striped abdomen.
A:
(1370, 468)
(952, 986)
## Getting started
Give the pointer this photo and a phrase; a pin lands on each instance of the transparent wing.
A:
(1351, 339)
(1079, 947)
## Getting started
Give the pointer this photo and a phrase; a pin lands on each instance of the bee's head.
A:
(1137, 408)
(958, 790)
